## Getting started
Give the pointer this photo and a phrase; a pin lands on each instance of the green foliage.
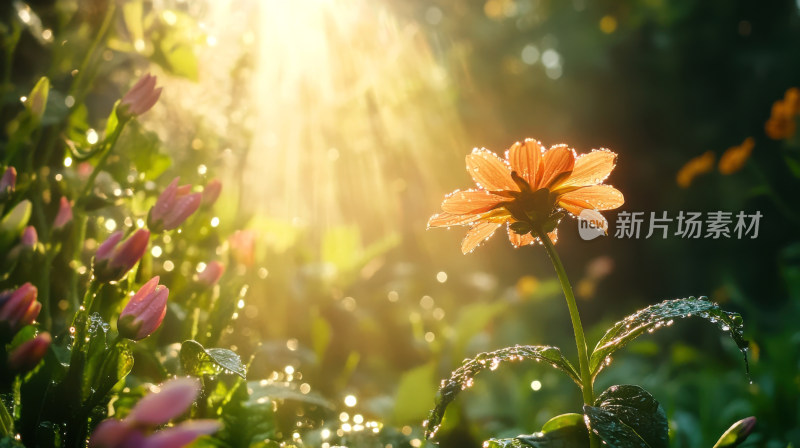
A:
(282, 391)
(463, 377)
(662, 315)
(197, 360)
(627, 414)
(13, 222)
(561, 421)
(415, 383)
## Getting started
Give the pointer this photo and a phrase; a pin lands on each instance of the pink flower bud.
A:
(29, 237)
(113, 433)
(173, 399)
(211, 274)
(27, 356)
(242, 244)
(145, 311)
(141, 98)
(9, 180)
(183, 434)
(173, 206)
(19, 308)
(114, 259)
(64, 215)
(211, 192)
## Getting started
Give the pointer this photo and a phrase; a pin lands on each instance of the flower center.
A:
(531, 209)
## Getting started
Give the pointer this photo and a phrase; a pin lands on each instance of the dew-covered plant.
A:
(530, 191)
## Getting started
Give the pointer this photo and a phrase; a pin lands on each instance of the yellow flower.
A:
(527, 191)
(695, 167)
(735, 157)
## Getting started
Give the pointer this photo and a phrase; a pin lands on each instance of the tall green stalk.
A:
(577, 327)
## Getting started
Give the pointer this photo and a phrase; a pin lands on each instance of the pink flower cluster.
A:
(19, 308)
(145, 311)
(171, 400)
(114, 258)
(141, 98)
(174, 205)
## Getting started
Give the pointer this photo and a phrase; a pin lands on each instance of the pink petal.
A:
(173, 399)
(165, 200)
(183, 434)
(107, 248)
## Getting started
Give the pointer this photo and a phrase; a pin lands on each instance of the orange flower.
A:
(695, 167)
(781, 124)
(526, 190)
(792, 100)
(735, 157)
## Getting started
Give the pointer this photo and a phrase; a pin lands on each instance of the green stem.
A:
(78, 235)
(11, 46)
(580, 339)
(83, 312)
(44, 289)
(76, 84)
(110, 143)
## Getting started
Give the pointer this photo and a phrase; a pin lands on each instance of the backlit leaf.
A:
(463, 377)
(197, 360)
(660, 316)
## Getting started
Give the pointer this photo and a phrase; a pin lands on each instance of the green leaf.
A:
(737, 433)
(247, 420)
(463, 377)
(12, 224)
(113, 121)
(141, 148)
(504, 443)
(321, 334)
(660, 316)
(10, 442)
(175, 53)
(637, 409)
(197, 360)
(96, 354)
(570, 436)
(611, 430)
(285, 391)
(115, 367)
(563, 420)
(417, 382)
(793, 163)
(6, 422)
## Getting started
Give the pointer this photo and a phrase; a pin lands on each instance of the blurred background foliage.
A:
(338, 125)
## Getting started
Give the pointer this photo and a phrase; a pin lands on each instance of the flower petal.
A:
(526, 159)
(489, 171)
(520, 240)
(449, 219)
(591, 168)
(478, 234)
(557, 164)
(596, 197)
(172, 399)
(183, 434)
(470, 201)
